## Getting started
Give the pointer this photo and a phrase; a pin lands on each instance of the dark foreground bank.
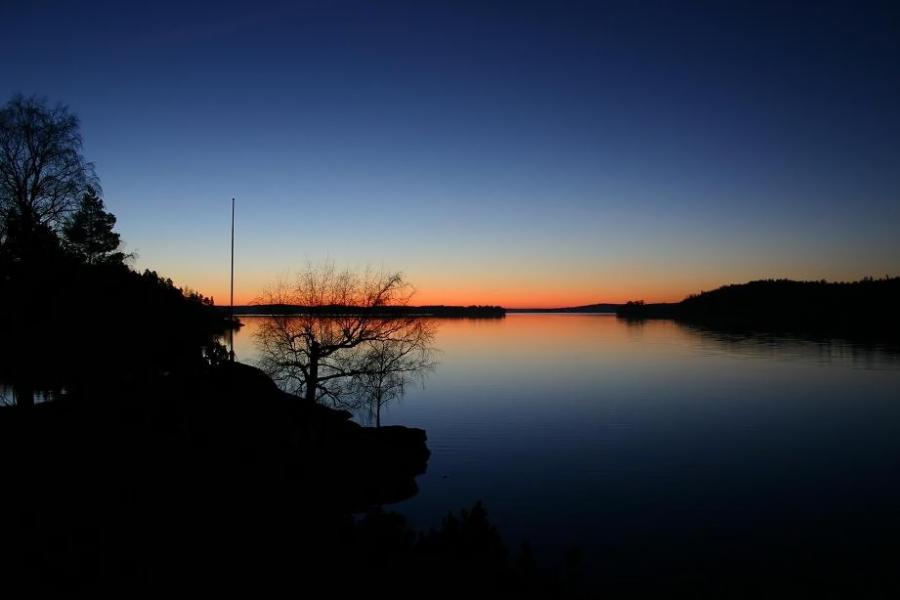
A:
(219, 481)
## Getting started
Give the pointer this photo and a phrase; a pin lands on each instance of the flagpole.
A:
(231, 311)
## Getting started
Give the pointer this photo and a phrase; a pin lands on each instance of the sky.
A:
(512, 153)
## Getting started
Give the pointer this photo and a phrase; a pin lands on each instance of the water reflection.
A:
(757, 344)
(586, 429)
(573, 354)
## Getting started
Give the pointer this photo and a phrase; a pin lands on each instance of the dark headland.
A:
(866, 309)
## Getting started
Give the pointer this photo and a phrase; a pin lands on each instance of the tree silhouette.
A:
(89, 232)
(42, 171)
(326, 346)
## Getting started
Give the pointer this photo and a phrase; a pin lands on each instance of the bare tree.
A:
(42, 171)
(330, 330)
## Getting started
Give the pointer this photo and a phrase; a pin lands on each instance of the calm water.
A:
(583, 429)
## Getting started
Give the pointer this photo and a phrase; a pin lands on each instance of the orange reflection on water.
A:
(560, 342)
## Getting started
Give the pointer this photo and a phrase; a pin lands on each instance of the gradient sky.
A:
(524, 154)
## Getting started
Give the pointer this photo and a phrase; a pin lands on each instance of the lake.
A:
(637, 439)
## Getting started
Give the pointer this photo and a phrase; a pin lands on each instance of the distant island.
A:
(588, 308)
(437, 311)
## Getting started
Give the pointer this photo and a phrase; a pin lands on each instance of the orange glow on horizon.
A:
(522, 286)
(469, 297)
(509, 290)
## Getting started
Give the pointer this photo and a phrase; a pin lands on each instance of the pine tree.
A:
(89, 232)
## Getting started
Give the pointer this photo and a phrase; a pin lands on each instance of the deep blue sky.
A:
(516, 153)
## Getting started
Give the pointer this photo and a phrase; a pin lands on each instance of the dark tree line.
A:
(70, 306)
